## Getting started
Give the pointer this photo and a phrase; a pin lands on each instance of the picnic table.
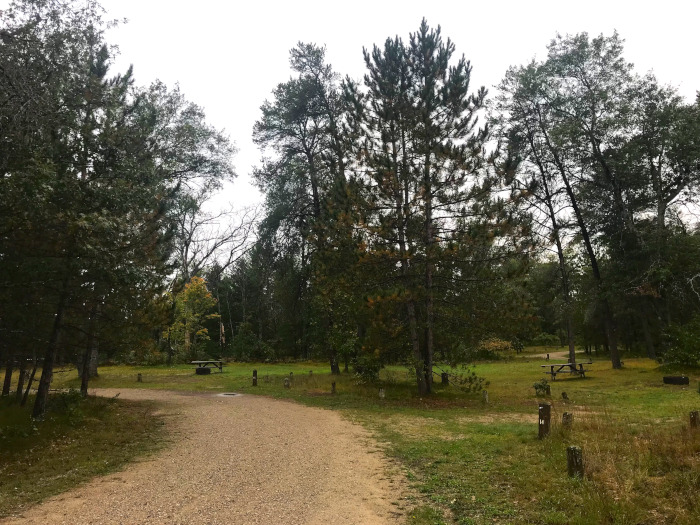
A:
(204, 367)
(565, 368)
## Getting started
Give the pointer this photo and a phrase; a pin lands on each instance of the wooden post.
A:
(255, 377)
(287, 382)
(574, 462)
(485, 397)
(567, 419)
(545, 416)
(381, 393)
(139, 378)
(333, 387)
(547, 357)
(445, 378)
(694, 419)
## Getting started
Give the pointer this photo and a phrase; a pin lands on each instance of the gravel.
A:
(240, 460)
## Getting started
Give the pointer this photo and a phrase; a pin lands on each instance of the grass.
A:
(472, 463)
(78, 440)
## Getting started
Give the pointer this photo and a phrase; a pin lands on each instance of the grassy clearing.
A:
(473, 463)
(78, 439)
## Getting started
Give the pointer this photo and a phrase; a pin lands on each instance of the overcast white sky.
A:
(228, 56)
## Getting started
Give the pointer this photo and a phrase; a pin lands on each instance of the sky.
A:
(228, 56)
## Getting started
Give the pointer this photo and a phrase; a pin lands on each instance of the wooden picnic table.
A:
(208, 365)
(565, 368)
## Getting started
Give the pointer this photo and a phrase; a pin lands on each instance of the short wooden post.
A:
(547, 357)
(574, 462)
(694, 419)
(567, 420)
(485, 397)
(333, 387)
(445, 378)
(548, 390)
(311, 372)
(255, 377)
(381, 393)
(139, 378)
(545, 416)
(287, 382)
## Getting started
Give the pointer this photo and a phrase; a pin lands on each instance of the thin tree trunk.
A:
(429, 300)
(648, 340)
(20, 380)
(85, 368)
(50, 356)
(9, 368)
(556, 227)
(609, 322)
(29, 383)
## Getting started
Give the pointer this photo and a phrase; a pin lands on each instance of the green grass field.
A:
(471, 463)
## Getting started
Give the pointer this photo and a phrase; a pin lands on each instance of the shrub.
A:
(366, 367)
(545, 339)
(542, 388)
(468, 381)
(685, 343)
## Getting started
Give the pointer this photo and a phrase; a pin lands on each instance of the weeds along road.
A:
(239, 460)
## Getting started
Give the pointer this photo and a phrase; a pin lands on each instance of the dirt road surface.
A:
(240, 460)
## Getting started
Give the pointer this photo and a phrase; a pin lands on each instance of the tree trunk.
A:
(50, 356)
(29, 383)
(20, 381)
(609, 321)
(429, 300)
(9, 368)
(648, 340)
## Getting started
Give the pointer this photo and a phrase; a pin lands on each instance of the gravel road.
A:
(240, 460)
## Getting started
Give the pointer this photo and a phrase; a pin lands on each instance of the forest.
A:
(409, 217)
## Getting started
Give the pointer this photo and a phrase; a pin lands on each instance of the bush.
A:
(545, 339)
(468, 381)
(684, 343)
(542, 388)
(247, 347)
(366, 367)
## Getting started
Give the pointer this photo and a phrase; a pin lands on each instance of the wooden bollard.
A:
(567, 420)
(255, 377)
(574, 462)
(139, 378)
(694, 419)
(333, 387)
(287, 382)
(311, 372)
(445, 378)
(547, 357)
(381, 393)
(545, 417)
(485, 397)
